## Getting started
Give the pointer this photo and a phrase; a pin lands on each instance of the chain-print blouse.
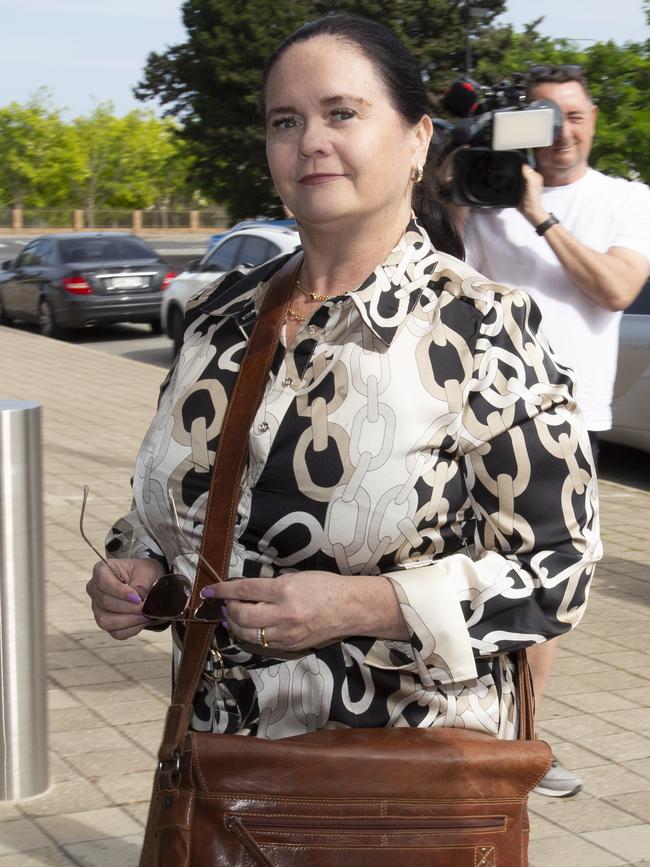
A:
(419, 428)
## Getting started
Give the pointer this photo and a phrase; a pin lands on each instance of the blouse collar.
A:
(384, 300)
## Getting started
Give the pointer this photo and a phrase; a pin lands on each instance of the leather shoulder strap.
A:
(223, 496)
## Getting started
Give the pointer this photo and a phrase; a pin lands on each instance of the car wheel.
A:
(175, 327)
(4, 319)
(156, 326)
(47, 324)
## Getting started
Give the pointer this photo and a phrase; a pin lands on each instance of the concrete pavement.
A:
(107, 699)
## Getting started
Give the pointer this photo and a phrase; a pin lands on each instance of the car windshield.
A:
(104, 249)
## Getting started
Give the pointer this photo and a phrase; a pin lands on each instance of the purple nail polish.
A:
(133, 597)
(207, 593)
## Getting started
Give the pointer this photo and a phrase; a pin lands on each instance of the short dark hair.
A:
(400, 74)
(558, 73)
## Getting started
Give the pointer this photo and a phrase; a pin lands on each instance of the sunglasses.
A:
(567, 68)
(168, 598)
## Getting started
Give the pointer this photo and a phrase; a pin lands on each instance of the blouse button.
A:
(340, 304)
(313, 329)
(263, 426)
(287, 381)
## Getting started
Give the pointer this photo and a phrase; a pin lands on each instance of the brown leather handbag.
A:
(391, 797)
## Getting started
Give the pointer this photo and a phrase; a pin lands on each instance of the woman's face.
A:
(337, 149)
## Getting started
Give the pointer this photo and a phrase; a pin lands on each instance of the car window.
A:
(46, 252)
(254, 250)
(642, 304)
(27, 257)
(40, 253)
(225, 256)
(104, 249)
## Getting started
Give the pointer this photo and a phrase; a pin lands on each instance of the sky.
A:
(90, 51)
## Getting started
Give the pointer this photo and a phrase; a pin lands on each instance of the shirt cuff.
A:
(440, 644)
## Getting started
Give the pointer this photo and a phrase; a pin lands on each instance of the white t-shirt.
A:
(599, 211)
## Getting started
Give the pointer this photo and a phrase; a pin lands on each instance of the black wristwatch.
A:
(551, 221)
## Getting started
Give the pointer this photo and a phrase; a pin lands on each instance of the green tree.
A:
(211, 82)
(135, 161)
(34, 154)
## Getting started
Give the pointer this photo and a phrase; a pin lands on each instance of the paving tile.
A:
(620, 747)
(107, 763)
(541, 827)
(636, 803)
(630, 843)
(575, 757)
(146, 734)
(138, 811)
(67, 796)
(633, 719)
(146, 710)
(9, 811)
(580, 728)
(128, 789)
(122, 851)
(70, 719)
(640, 696)
(59, 699)
(89, 825)
(72, 743)
(607, 779)
(70, 658)
(98, 694)
(50, 857)
(21, 835)
(598, 702)
(629, 659)
(584, 813)
(575, 852)
(143, 671)
(91, 674)
(639, 766)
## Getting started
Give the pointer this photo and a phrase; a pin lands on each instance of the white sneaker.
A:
(558, 782)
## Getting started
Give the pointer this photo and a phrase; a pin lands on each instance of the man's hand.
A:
(531, 203)
(612, 279)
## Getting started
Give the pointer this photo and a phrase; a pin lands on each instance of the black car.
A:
(83, 279)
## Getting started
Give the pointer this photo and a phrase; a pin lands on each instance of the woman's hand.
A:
(300, 610)
(117, 601)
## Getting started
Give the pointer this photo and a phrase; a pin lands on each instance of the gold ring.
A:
(261, 637)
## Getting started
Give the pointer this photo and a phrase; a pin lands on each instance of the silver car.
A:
(250, 245)
(631, 406)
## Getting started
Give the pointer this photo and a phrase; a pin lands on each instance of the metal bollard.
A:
(23, 701)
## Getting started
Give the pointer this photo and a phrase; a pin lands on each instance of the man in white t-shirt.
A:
(579, 244)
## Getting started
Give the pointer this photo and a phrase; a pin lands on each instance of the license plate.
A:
(127, 282)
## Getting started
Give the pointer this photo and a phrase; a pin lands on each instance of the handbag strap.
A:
(218, 527)
(223, 496)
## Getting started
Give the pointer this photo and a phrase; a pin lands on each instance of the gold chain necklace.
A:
(291, 314)
(314, 295)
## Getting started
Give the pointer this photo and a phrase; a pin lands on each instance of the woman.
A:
(419, 486)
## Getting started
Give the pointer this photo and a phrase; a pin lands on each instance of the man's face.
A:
(566, 160)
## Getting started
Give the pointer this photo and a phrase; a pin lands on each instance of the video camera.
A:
(496, 128)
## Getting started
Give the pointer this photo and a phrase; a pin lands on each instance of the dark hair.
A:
(401, 76)
(556, 74)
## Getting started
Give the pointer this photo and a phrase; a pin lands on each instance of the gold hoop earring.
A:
(417, 174)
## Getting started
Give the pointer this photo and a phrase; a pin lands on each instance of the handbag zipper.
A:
(371, 823)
